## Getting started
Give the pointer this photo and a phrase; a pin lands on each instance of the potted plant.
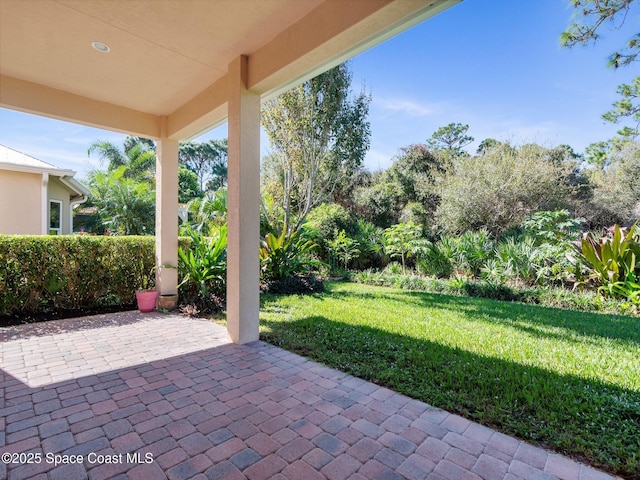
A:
(147, 300)
(147, 295)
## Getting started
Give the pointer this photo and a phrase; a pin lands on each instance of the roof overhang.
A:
(166, 72)
(65, 176)
(78, 190)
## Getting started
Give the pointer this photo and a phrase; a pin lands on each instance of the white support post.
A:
(167, 213)
(243, 198)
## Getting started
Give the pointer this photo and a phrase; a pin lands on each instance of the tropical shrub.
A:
(551, 227)
(404, 240)
(344, 249)
(295, 284)
(467, 253)
(613, 263)
(553, 233)
(322, 225)
(435, 262)
(611, 258)
(514, 261)
(202, 267)
(286, 255)
(369, 238)
(378, 202)
(126, 205)
(206, 213)
(329, 219)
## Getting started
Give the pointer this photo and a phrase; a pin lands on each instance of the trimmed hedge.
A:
(52, 273)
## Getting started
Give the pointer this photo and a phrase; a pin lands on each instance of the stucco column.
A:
(243, 207)
(44, 204)
(167, 213)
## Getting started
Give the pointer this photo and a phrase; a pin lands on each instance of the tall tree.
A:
(451, 139)
(410, 181)
(591, 16)
(208, 160)
(319, 135)
(487, 144)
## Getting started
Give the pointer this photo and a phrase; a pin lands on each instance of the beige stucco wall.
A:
(20, 202)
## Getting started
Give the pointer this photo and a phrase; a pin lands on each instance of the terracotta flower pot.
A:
(167, 302)
(147, 300)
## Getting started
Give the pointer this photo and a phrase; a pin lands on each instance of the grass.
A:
(565, 380)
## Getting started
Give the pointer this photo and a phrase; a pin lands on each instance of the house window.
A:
(55, 217)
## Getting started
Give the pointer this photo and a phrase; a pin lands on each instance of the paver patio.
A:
(124, 389)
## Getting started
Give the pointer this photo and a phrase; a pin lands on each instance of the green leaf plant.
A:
(203, 266)
(285, 255)
(612, 261)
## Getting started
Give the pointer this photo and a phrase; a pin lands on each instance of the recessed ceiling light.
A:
(101, 47)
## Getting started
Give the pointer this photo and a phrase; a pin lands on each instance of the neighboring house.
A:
(36, 198)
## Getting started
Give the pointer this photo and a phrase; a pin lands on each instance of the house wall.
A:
(58, 191)
(20, 202)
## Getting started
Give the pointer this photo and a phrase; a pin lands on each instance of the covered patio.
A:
(161, 396)
(170, 70)
(138, 396)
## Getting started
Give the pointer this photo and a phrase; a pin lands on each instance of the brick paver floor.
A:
(154, 396)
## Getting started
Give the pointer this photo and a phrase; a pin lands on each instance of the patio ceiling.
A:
(169, 58)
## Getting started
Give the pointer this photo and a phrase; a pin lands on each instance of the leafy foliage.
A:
(296, 284)
(203, 266)
(138, 157)
(329, 218)
(403, 241)
(188, 187)
(285, 255)
(499, 189)
(551, 226)
(612, 258)
(319, 136)
(52, 273)
(208, 160)
(451, 139)
(344, 249)
(406, 191)
(435, 262)
(207, 213)
(125, 205)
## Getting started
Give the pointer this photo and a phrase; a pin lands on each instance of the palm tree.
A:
(138, 156)
(208, 212)
(126, 206)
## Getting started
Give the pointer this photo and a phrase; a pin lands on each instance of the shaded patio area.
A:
(153, 396)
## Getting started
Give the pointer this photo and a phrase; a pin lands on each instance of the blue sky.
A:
(495, 65)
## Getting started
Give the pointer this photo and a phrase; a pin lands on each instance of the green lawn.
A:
(565, 380)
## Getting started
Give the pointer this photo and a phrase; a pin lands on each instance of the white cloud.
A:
(408, 108)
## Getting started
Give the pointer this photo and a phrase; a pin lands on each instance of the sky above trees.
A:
(495, 65)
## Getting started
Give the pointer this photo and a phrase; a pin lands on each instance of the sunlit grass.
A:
(568, 380)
